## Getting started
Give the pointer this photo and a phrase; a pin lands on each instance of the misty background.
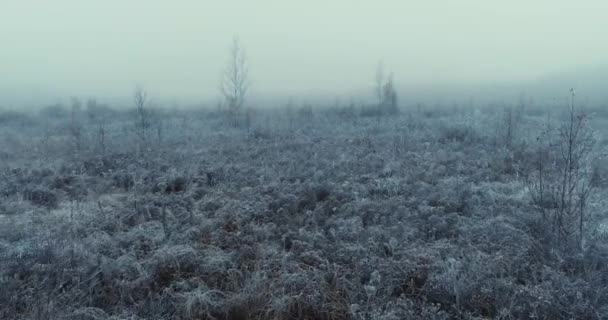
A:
(472, 51)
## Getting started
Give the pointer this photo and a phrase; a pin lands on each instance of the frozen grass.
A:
(310, 215)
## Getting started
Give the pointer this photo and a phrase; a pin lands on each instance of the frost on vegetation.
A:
(301, 214)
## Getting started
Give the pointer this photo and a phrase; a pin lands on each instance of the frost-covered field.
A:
(301, 214)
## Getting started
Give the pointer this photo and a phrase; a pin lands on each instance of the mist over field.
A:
(177, 50)
(328, 160)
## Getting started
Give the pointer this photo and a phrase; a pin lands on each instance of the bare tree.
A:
(562, 184)
(289, 113)
(159, 122)
(379, 88)
(235, 80)
(389, 97)
(385, 92)
(508, 127)
(575, 147)
(75, 124)
(140, 98)
(97, 117)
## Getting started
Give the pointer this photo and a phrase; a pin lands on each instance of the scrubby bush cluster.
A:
(421, 216)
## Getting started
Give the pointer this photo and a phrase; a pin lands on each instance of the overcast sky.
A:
(178, 48)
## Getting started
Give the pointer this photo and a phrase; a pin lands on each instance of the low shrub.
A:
(41, 197)
(461, 134)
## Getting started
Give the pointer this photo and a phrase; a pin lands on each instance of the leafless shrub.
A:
(458, 133)
(561, 186)
(76, 127)
(142, 123)
(98, 117)
(41, 197)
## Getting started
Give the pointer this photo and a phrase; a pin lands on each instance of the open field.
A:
(300, 213)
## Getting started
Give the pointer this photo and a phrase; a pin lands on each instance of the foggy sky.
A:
(179, 48)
